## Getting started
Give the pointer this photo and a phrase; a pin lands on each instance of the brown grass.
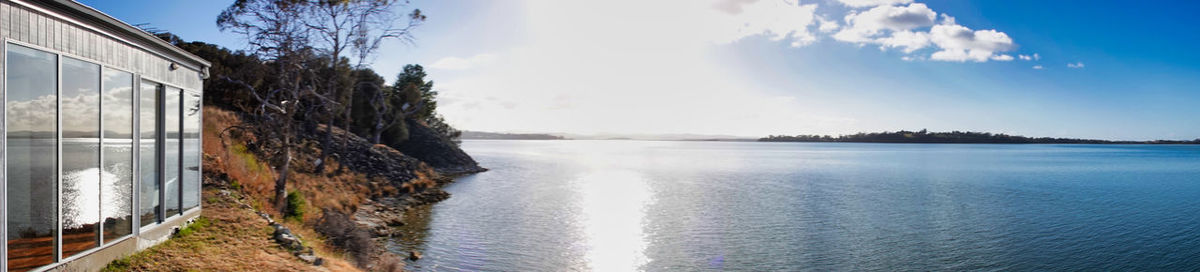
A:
(225, 150)
(235, 239)
(238, 240)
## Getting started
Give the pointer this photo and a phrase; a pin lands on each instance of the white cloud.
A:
(1035, 56)
(778, 20)
(908, 40)
(827, 26)
(872, 3)
(900, 27)
(457, 63)
(959, 43)
(732, 6)
(867, 26)
(1038, 67)
(1076, 65)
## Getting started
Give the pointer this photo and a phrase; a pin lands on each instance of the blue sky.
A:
(746, 67)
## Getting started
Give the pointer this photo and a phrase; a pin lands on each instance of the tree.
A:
(360, 26)
(274, 34)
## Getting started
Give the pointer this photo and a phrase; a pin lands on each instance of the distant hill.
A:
(479, 135)
(924, 136)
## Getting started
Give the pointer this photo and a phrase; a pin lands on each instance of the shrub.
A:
(296, 206)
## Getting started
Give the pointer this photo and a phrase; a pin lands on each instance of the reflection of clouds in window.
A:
(79, 115)
(31, 115)
(118, 104)
(116, 189)
(30, 172)
(31, 71)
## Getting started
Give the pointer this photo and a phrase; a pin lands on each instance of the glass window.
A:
(31, 147)
(80, 118)
(116, 181)
(171, 159)
(191, 150)
(148, 146)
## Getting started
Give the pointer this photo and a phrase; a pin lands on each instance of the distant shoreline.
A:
(954, 137)
(479, 135)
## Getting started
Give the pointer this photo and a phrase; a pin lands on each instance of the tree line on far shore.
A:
(957, 137)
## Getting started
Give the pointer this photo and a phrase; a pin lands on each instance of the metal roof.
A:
(91, 14)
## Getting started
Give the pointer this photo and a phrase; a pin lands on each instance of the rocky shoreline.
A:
(382, 218)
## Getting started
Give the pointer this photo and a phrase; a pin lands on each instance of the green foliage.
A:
(119, 265)
(364, 111)
(235, 185)
(200, 224)
(224, 87)
(377, 109)
(251, 161)
(443, 129)
(296, 206)
(126, 263)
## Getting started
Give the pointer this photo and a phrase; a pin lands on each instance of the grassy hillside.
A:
(238, 184)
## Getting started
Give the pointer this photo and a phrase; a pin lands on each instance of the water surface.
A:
(687, 206)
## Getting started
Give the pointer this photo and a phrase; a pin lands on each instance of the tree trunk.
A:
(347, 123)
(281, 182)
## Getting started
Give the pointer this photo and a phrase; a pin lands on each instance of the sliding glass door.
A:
(172, 109)
(116, 183)
(191, 150)
(80, 120)
(32, 163)
(150, 127)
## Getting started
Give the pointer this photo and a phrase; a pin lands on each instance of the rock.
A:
(376, 160)
(285, 238)
(414, 255)
(308, 258)
(427, 145)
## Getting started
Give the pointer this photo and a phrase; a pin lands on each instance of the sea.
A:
(575, 205)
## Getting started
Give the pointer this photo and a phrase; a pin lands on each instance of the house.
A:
(101, 137)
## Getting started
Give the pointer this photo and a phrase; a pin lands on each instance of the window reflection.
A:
(171, 115)
(31, 148)
(80, 134)
(191, 150)
(80, 114)
(148, 146)
(116, 188)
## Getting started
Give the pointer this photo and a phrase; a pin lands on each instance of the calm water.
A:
(686, 206)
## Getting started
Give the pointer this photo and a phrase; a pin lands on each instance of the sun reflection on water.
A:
(613, 204)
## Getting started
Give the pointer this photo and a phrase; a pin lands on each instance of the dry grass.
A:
(233, 239)
(225, 150)
(236, 239)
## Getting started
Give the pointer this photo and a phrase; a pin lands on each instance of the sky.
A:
(1081, 69)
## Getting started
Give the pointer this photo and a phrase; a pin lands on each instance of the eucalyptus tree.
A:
(275, 35)
(304, 42)
(358, 27)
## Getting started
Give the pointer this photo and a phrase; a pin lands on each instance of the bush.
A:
(296, 206)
